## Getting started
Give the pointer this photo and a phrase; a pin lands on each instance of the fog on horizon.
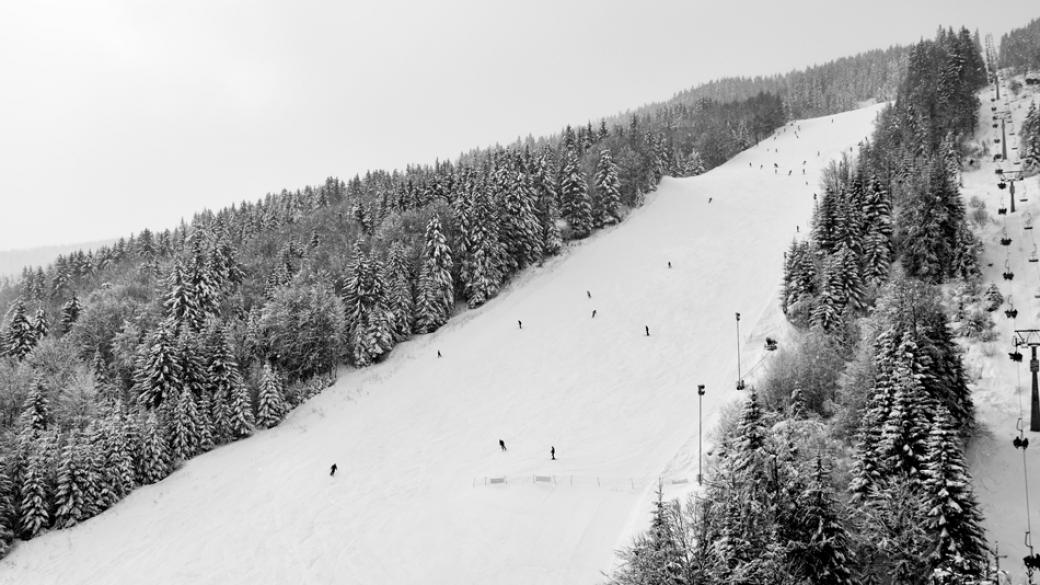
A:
(120, 115)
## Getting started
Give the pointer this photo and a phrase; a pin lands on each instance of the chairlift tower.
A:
(1031, 338)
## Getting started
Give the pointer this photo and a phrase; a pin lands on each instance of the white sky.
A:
(120, 115)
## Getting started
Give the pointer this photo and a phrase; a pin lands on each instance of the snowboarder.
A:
(593, 313)
(439, 353)
(552, 452)
(519, 324)
(502, 444)
(332, 470)
(647, 330)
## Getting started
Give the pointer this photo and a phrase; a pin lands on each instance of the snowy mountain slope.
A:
(416, 437)
(1001, 392)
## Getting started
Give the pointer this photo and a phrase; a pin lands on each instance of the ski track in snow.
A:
(1001, 386)
(416, 436)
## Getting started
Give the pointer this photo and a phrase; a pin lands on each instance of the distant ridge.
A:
(13, 261)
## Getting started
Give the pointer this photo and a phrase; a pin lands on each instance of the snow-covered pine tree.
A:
(184, 431)
(159, 374)
(369, 325)
(575, 204)
(20, 337)
(224, 377)
(70, 312)
(76, 494)
(400, 296)
(902, 445)
(240, 410)
(607, 202)
(436, 290)
(181, 302)
(519, 230)
(825, 557)
(953, 516)
(35, 503)
(40, 325)
(481, 269)
(155, 462)
(546, 207)
(8, 515)
(270, 407)
(36, 415)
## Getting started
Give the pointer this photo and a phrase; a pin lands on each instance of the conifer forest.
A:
(845, 459)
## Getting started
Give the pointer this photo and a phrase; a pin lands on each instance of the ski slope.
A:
(1002, 388)
(416, 437)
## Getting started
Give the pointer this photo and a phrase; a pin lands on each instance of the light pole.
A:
(700, 433)
(740, 379)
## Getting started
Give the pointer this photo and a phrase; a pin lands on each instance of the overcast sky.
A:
(120, 115)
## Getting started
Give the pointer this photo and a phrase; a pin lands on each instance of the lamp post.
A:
(700, 433)
(740, 378)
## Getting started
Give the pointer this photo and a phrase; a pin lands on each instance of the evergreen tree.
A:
(35, 501)
(40, 325)
(20, 337)
(436, 290)
(481, 268)
(953, 517)
(270, 408)
(8, 515)
(546, 207)
(75, 498)
(823, 557)
(519, 229)
(70, 312)
(36, 414)
(181, 302)
(240, 410)
(159, 374)
(369, 322)
(576, 207)
(400, 296)
(184, 431)
(607, 202)
(901, 448)
(155, 462)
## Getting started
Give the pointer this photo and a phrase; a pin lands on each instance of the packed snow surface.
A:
(416, 499)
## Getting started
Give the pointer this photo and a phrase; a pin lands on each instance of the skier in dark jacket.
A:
(502, 444)
(647, 330)
(552, 453)
(332, 470)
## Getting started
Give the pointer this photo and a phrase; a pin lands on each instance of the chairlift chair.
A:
(1033, 257)
(1008, 275)
(1005, 240)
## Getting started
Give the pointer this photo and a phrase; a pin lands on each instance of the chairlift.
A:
(1034, 257)
(1016, 356)
(1029, 221)
(994, 124)
(1005, 240)
(996, 140)
(1002, 184)
(1011, 313)
(740, 385)
(1008, 275)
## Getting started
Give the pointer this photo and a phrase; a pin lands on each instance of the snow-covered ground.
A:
(416, 438)
(1001, 390)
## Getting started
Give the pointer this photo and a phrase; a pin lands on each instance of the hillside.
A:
(415, 437)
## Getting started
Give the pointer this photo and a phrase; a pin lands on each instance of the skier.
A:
(789, 171)
(709, 200)
(439, 353)
(593, 313)
(519, 324)
(669, 264)
(647, 330)
(797, 229)
(332, 470)
(588, 293)
(552, 452)
(502, 444)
